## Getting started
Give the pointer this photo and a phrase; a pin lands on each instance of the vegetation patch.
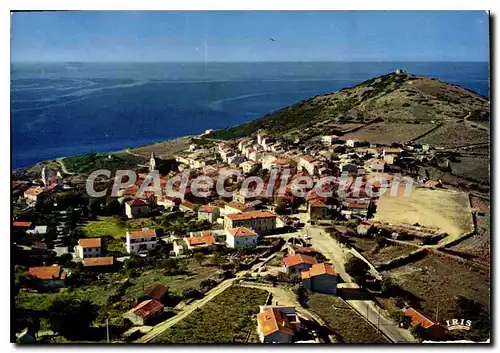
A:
(345, 322)
(228, 318)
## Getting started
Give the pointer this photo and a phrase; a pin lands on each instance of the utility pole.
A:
(437, 313)
(107, 331)
(378, 319)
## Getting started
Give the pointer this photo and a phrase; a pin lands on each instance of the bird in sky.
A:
(272, 39)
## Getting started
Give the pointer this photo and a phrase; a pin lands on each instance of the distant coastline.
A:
(174, 99)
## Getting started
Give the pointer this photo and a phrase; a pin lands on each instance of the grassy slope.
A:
(390, 97)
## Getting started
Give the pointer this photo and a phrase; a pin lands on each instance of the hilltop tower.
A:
(152, 162)
(45, 179)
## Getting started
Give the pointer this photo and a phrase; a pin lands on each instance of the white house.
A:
(142, 240)
(241, 237)
(209, 213)
(352, 143)
(88, 247)
(329, 140)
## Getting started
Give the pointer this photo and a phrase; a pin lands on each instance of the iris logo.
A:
(455, 324)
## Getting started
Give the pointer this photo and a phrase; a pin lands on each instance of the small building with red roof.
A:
(277, 324)
(204, 241)
(48, 276)
(187, 206)
(88, 247)
(136, 208)
(317, 209)
(320, 278)
(433, 330)
(241, 237)
(144, 312)
(298, 262)
(209, 213)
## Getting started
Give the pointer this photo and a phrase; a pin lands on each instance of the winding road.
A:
(323, 243)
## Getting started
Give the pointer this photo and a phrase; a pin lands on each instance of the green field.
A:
(116, 228)
(229, 318)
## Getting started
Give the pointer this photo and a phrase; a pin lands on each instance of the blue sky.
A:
(244, 36)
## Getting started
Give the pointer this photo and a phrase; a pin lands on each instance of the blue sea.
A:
(66, 109)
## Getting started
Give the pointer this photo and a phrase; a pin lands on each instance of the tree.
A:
(207, 284)
(387, 286)
(218, 259)
(113, 208)
(191, 293)
(418, 332)
(94, 207)
(170, 265)
(199, 257)
(72, 317)
(66, 260)
(401, 318)
(356, 268)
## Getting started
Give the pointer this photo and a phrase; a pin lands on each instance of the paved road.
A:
(63, 166)
(366, 308)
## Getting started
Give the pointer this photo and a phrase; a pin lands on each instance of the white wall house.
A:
(143, 240)
(88, 247)
(241, 237)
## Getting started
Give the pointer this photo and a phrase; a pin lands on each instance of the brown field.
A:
(367, 247)
(386, 133)
(346, 324)
(474, 168)
(442, 210)
(163, 149)
(454, 135)
(479, 244)
(437, 279)
(343, 127)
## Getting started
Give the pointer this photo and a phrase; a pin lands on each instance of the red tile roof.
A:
(188, 204)
(417, 318)
(251, 215)
(98, 261)
(22, 224)
(146, 233)
(137, 203)
(281, 161)
(208, 209)
(47, 272)
(204, 240)
(147, 308)
(317, 203)
(90, 242)
(308, 158)
(34, 191)
(272, 320)
(236, 205)
(156, 291)
(242, 232)
(318, 270)
(297, 259)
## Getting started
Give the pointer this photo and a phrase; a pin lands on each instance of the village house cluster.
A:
(243, 221)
